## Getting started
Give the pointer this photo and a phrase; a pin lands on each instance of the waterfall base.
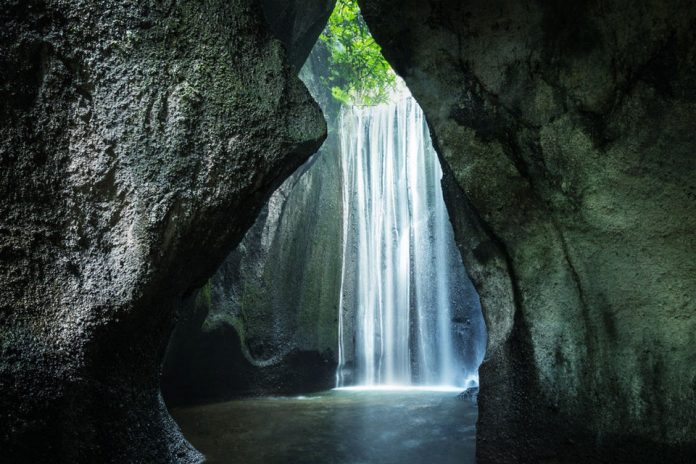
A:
(401, 388)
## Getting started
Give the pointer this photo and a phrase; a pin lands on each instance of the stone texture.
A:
(266, 321)
(568, 132)
(137, 143)
(297, 23)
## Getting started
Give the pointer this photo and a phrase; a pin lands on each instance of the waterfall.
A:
(400, 262)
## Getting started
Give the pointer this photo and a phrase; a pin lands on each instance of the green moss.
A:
(205, 295)
(253, 299)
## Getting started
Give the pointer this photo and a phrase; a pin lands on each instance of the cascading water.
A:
(402, 277)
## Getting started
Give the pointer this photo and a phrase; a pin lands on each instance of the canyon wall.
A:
(567, 131)
(138, 143)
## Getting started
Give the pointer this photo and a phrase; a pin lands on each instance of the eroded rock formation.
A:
(297, 23)
(138, 141)
(568, 130)
(266, 322)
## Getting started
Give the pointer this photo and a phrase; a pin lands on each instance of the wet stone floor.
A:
(336, 427)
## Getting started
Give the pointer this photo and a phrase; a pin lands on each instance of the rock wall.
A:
(297, 23)
(568, 132)
(266, 321)
(138, 141)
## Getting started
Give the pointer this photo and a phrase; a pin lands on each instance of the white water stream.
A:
(395, 313)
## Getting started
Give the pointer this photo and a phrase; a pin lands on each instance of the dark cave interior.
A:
(143, 148)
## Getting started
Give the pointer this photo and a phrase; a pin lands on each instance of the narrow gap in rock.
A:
(344, 327)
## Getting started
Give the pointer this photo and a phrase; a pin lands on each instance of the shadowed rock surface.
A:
(297, 23)
(137, 144)
(568, 132)
(266, 321)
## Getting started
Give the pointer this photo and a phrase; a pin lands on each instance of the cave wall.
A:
(138, 141)
(297, 24)
(266, 321)
(567, 129)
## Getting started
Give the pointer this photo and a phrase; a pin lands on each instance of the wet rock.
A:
(297, 23)
(571, 183)
(138, 141)
(470, 394)
(266, 321)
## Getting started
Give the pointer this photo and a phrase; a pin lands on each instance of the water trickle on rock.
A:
(400, 261)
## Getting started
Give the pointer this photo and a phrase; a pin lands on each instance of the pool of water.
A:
(335, 427)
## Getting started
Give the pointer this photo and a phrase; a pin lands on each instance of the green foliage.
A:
(358, 73)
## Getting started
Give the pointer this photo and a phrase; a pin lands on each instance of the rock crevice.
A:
(565, 128)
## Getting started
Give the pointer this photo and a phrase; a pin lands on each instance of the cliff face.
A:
(568, 135)
(266, 321)
(137, 143)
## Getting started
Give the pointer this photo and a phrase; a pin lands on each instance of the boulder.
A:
(138, 141)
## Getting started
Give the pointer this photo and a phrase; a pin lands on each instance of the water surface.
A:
(336, 427)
